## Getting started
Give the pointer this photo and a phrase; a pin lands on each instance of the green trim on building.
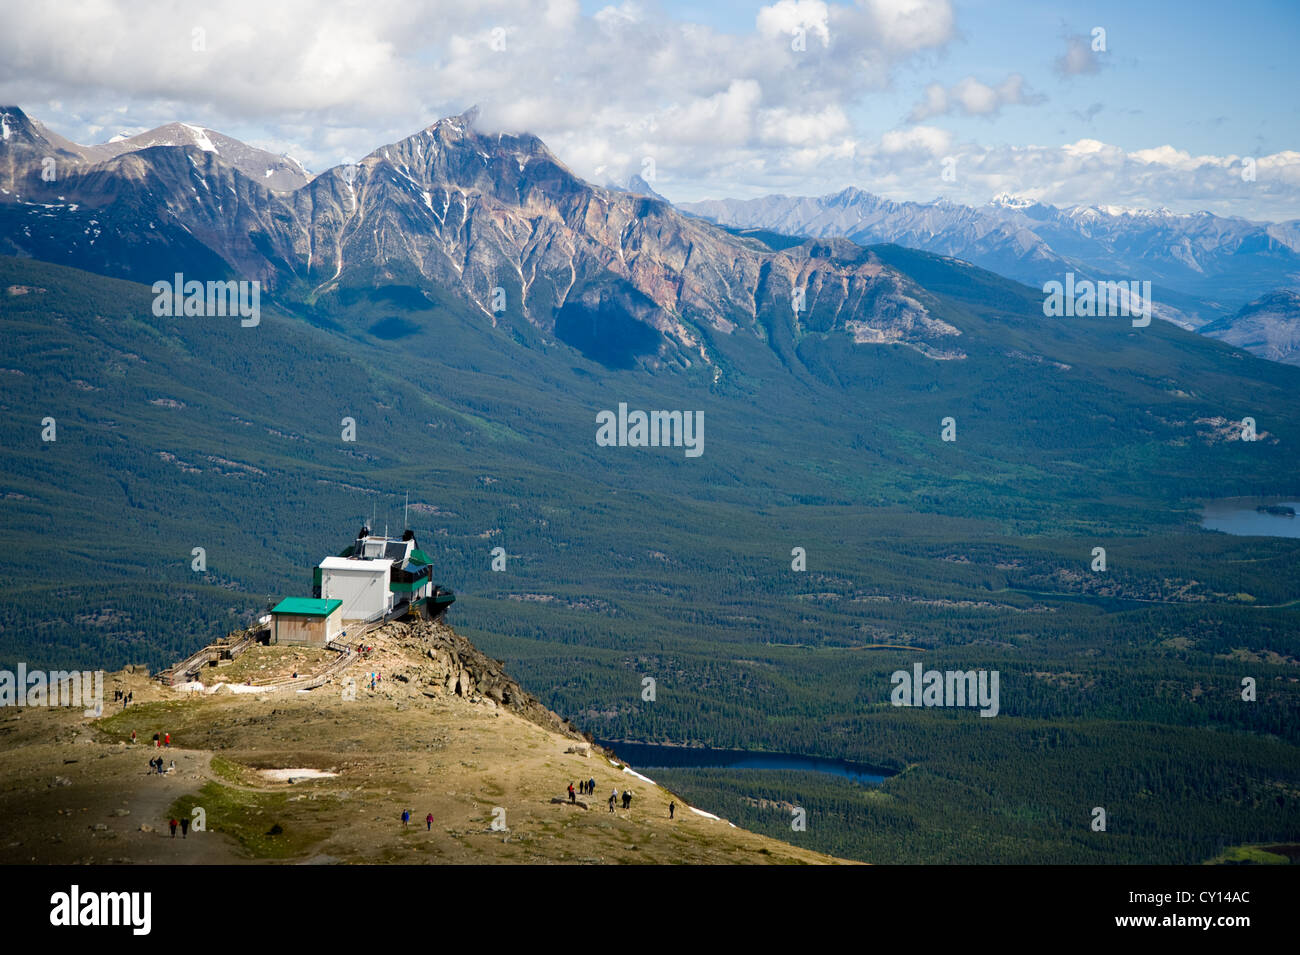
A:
(307, 606)
(401, 587)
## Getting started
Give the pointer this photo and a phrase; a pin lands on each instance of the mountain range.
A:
(614, 273)
(476, 212)
(1205, 268)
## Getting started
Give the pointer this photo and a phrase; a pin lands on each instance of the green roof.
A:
(419, 557)
(307, 606)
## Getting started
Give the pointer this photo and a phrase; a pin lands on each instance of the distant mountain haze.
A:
(1204, 266)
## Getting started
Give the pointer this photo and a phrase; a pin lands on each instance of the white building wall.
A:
(363, 588)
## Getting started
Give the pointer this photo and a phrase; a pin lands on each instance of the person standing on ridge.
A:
(672, 807)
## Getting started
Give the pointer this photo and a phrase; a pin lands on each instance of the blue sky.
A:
(1206, 77)
(712, 98)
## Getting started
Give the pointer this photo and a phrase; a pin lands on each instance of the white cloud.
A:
(973, 98)
(722, 113)
(922, 140)
(787, 17)
(1079, 56)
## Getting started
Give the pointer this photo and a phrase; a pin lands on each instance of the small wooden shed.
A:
(306, 621)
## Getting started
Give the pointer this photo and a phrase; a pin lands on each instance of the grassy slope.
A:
(393, 749)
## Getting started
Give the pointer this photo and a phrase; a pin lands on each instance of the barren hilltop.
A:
(287, 775)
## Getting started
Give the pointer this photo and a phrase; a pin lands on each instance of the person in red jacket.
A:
(428, 822)
(173, 824)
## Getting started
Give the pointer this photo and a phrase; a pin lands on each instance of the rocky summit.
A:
(269, 774)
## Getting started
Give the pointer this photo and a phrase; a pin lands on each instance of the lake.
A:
(1239, 516)
(648, 756)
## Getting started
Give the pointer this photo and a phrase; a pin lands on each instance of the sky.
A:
(1186, 105)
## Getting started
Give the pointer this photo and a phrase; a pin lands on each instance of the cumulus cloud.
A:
(973, 98)
(356, 74)
(1082, 54)
(740, 112)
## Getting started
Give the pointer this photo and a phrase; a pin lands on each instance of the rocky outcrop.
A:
(440, 662)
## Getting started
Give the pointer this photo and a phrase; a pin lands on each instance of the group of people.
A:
(587, 787)
(159, 739)
(123, 697)
(184, 824)
(375, 677)
(156, 766)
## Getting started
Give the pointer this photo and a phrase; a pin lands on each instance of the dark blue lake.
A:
(648, 756)
(1241, 516)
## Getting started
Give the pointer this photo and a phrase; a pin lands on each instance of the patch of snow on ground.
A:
(706, 815)
(294, 775)
(629, 769)
(201, 139)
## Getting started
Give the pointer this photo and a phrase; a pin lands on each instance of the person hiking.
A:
(167, 739)
(572, 796)
(611, 802)
(173, 825)
(672, 807)
(428, 822)
(627, 798)
(155, 740)
(591, 785)
(132, 737)
(185, 827)
(406, 817)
